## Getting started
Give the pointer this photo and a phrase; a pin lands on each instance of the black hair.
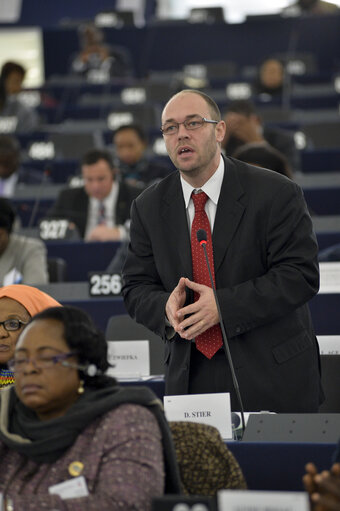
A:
(264, 156)
(10, 152)
(9, 144)
(243, 107)
(7, 215)
(84, 338)
(3, 95)
(94, 155)
(12, 67)
(137, 128)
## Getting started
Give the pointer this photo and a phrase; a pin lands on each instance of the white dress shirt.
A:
(212, 188)
(109, 202)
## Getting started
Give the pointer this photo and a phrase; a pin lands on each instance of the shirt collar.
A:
(212, 187)
(108, 199)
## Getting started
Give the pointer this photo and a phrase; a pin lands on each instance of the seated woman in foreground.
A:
(66, 419)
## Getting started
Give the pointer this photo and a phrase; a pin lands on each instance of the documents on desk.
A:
(212, 409)
(238, 500)
(129, 359)
(329, 344)
(329, 277)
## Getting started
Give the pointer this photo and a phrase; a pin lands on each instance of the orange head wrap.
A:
(30, 297)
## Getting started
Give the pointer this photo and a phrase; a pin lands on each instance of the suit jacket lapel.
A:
(174, 216)
(229, 212)
(83, 206)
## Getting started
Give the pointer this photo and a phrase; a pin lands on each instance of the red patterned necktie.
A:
(211, 340)
(101, 214)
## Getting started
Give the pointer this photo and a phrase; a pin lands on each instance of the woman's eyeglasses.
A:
(11, 325)
(18, 364)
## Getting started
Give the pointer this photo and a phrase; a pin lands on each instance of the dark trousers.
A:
(211, 375)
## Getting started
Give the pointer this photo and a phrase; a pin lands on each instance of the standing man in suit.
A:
(100, 208)
(264, 261)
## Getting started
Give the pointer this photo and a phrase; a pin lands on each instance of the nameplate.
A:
(212, 409)
(329, 344)
(71, 489)
(131, 359)
(54, 229)
(114, 120)
(8, 124)
(104, 284)
(251, 500)
(329, 277)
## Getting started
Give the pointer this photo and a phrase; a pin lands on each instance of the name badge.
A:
(329, 277)
(71, 489)
(251, 500)
(212, 409)
(54, 229)
(329, 344)
(131, 359)
(104, 284)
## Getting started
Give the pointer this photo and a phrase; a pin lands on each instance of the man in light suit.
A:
(265, 264)
(101, 189)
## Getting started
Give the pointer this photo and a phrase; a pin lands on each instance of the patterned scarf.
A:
(6, 377)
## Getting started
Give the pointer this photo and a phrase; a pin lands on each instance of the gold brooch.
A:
(75, 468)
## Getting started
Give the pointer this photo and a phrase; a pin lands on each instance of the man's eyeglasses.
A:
(193, 123)
(11, 325)
(18, 364)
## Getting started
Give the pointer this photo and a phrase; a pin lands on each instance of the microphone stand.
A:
(203, 243)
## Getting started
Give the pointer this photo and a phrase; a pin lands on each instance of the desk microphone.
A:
(202, 239)
(41, 188)
(88, 369)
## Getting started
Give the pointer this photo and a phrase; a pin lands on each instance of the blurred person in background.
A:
(270, 78)
(265, 156)
(244, 126)
(20, 117)
(22, 259)
(18, 304)
(12, 76)
(12, 175)
(66, 418)
(316, 7)
(135, 165)
(97, 56)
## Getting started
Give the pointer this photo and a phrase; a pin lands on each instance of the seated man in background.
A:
(100, 208)
(11, 174)
(131, 144)
(244, 126)
(22, 260)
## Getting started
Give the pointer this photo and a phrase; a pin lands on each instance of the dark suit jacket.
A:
(73, 203)
(265, 258)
